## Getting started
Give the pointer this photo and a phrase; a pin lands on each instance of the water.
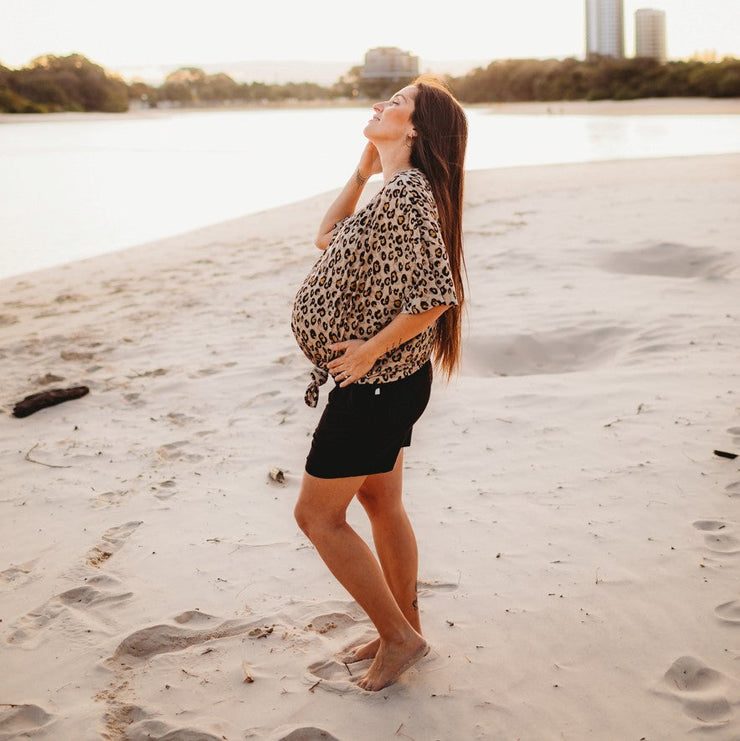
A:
(73, 187)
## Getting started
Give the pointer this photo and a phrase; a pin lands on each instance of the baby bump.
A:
(314, 322)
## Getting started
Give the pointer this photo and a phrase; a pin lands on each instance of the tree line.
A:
(74, 83)
(598, 79)
(71, 83)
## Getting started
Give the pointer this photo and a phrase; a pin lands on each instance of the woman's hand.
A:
(357, 360)
(369, 163)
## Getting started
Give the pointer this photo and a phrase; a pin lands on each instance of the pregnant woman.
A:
(380, 305)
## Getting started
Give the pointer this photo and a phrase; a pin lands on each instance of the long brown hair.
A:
(439, 152)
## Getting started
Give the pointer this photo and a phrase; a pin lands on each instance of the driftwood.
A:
(49, 398)
(723, 454)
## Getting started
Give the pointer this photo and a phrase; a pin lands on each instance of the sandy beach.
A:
(579, 538)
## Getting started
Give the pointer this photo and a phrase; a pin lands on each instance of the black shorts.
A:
(364, 426)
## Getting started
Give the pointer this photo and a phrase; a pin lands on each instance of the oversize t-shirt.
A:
(386, 259)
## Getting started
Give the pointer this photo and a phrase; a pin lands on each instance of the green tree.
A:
(596, 79)
(69, 83)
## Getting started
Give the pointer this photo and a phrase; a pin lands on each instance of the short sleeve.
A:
(428, 277)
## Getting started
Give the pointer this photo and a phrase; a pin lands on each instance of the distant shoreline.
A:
(638, 107)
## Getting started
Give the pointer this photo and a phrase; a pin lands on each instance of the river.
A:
(77, 186)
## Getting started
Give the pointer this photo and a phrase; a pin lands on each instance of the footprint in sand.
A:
(165, 489)
(78, 609)
(174, 452)
(18, 575)
(336, 676)
(182, 420)
(735, 432)
(112, 540)
(156, 729)
(18, 721)
(341, 631)
(109, 498)
(134, 400)
(259, 399)
(551, 352)
(7, 319)
(125, 719)
(669, 260)
(338, 630)
(332, 621)
(300, 733)
(702, 691)
(211, 371)
(718, 536)
(433, 585)
(161, 639)
(134, 652)
(733, 489)
(729, 612)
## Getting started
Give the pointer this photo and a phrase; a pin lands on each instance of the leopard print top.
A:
(387, 258)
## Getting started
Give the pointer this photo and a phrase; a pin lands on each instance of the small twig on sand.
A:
(398, 732)
(314, 686)
(41, 463)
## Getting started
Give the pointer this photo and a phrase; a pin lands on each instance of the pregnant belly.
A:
(314, 323)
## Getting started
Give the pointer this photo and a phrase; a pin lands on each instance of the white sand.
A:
(580, 543)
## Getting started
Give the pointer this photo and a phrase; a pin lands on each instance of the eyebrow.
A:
(399, 95)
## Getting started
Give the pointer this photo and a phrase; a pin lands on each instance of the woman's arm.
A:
(346, 201)
(359, 356)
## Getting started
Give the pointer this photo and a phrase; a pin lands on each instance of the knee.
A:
(368, 500)
(314, 522)
(379, 503)
(302, 517)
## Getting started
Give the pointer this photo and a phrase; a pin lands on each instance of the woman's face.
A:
(391, 119)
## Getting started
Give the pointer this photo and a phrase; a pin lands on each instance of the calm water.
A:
(75, 187)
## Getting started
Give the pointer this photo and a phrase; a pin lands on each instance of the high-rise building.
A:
(390, 63)
(604, 28)
(650, 34)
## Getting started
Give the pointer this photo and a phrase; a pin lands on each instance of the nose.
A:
(378, 107)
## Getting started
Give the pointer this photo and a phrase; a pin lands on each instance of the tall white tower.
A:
(650, 34)
(605, 28)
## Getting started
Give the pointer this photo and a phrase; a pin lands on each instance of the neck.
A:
(394, 159)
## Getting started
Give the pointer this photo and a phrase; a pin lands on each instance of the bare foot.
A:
(392, 660)
(362, 653)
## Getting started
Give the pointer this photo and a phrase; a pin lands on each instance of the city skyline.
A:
(605, 28)
(138, 33)
(650, 38)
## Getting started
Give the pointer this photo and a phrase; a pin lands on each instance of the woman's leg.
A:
(321, 514)
(395, 544)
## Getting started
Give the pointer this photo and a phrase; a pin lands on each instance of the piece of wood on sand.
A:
(48, 398)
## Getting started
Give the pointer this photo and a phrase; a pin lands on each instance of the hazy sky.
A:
(149, 32)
